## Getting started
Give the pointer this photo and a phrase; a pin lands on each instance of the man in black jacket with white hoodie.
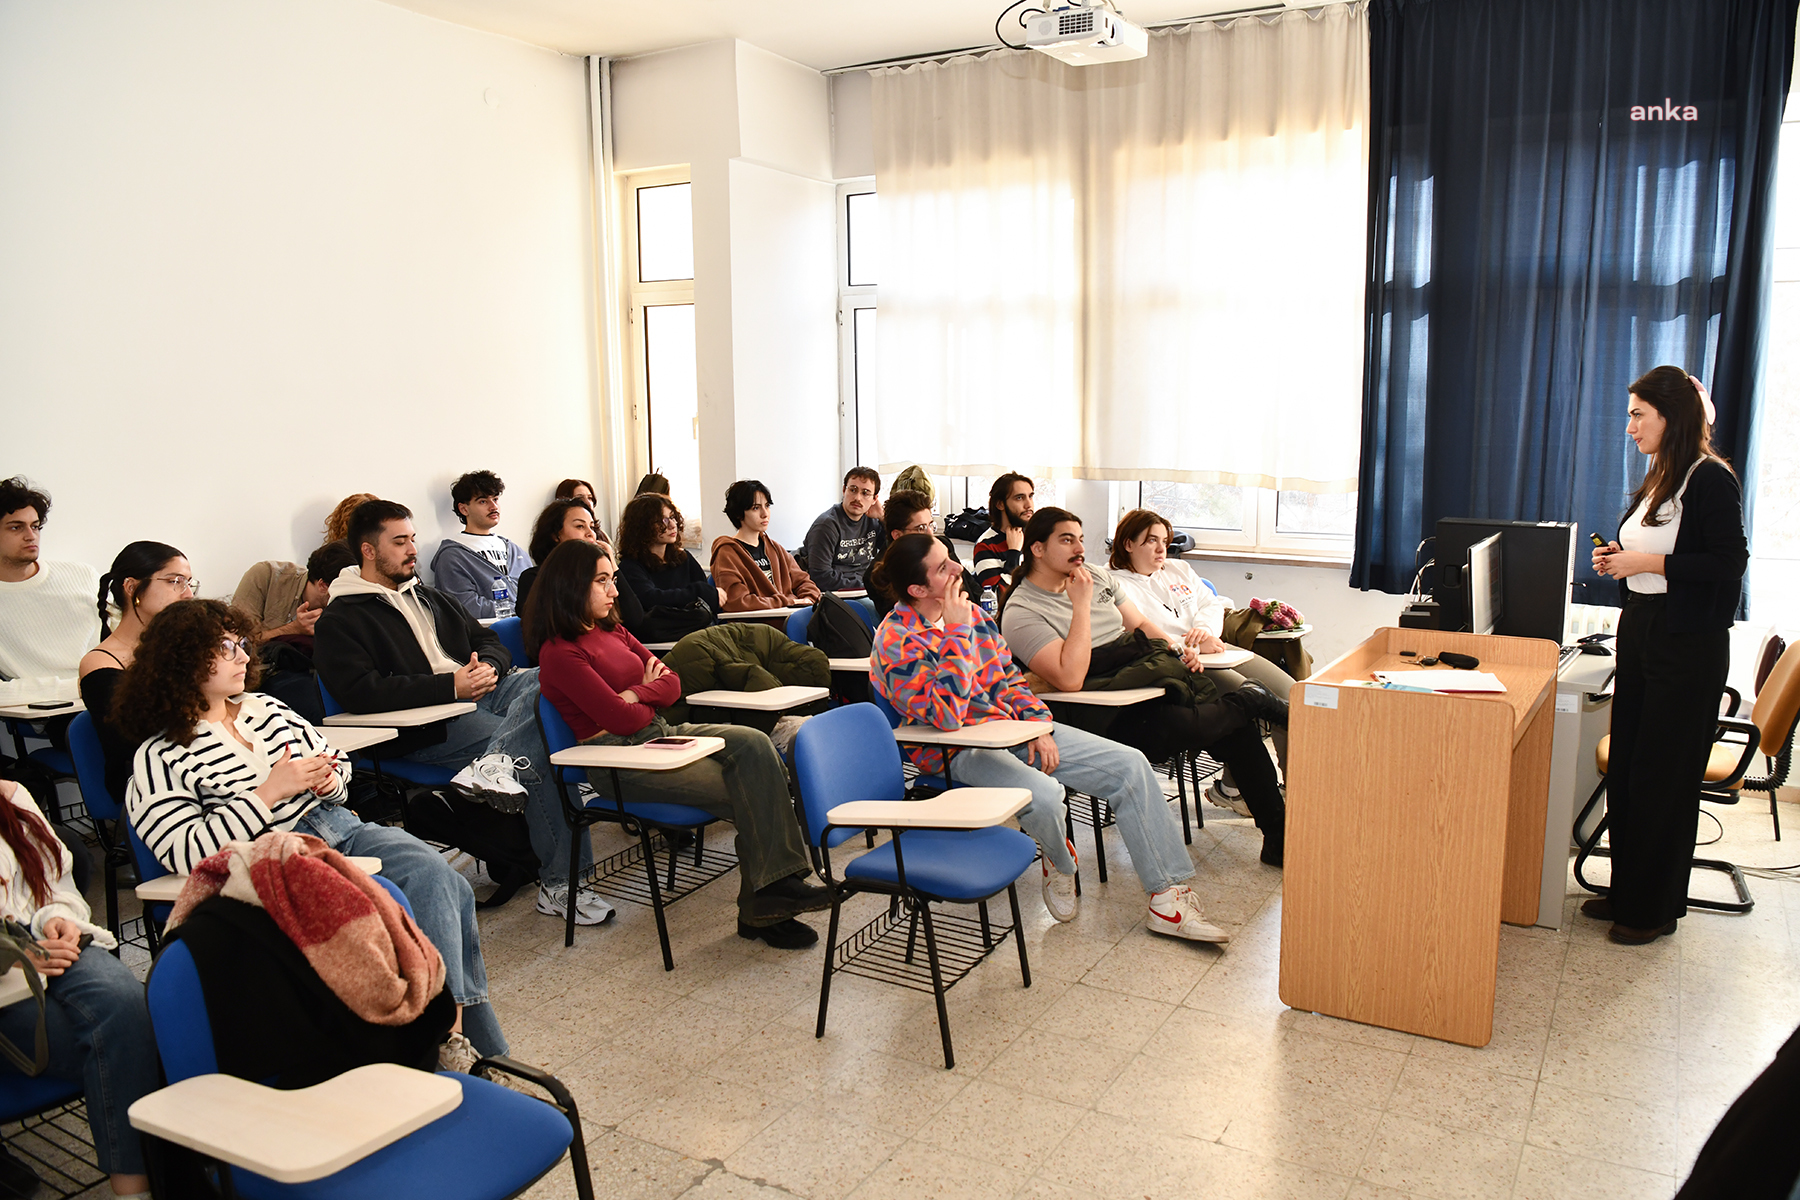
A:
(386, 641)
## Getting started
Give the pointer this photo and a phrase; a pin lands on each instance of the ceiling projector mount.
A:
(1079, 32)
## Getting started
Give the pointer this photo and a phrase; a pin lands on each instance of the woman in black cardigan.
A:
(672, 586)
(1680, 558)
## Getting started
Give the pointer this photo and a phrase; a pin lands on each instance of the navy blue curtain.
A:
(1563, 194)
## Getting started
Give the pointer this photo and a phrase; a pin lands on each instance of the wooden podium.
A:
(1415, 826)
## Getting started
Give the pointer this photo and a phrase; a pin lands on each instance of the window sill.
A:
(1271, 558)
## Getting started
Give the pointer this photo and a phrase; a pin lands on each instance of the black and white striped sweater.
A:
(187, 801)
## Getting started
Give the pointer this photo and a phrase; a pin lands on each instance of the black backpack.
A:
(498, 839)
(967, 525)
(838, 629)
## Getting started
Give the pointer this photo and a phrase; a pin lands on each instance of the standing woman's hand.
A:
(1623, 564)
(1601, 554)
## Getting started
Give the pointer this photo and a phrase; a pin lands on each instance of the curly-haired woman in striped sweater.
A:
(220, 763)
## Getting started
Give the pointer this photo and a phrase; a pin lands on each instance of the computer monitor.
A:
(1539, 567)
(1484, 579)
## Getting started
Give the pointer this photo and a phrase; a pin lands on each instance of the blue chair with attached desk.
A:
(511, 632)
(494, 1144)
(107, 812)
(849, 754)
(416, 774)
(671, 820)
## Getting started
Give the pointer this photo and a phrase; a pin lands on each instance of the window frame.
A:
(850, 298)
(637, 297)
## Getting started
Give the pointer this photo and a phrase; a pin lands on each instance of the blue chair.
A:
(107, 812)
(43, 1100)
(417, 774)
(511, 632)
(148, 868)
(494, 1144)
(639, 818)
(849, 754)
(1209, 585)
(798, 622)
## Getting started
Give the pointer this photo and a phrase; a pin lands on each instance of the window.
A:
(859, 258)
(1224, 517)
(660, 313)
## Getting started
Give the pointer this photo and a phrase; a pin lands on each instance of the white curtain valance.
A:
(1144, 270)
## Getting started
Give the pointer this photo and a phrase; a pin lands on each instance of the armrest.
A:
(1752, 741)
(958, 808)
(1737, 700)
(302, 1135)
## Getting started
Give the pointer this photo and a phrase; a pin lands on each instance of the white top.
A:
(47, 623)
(1175, 598)
(1640, 538)
(16, 900)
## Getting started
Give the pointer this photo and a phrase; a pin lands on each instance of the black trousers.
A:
(1664, 714)
(1223, 732)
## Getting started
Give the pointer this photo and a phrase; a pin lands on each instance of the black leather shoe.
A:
(1258, 703)
(1626, 935)
(797, 895)
(785, 935)
(1273, 850)
(1599, 908)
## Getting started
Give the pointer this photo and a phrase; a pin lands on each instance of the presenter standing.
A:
(1680, 555)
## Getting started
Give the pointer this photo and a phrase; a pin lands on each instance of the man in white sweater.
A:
(49, 615)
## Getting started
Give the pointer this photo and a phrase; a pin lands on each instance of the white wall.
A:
(754, 130)
(852, 125)
(255, 256)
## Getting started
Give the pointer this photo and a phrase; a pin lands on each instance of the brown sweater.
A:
(748, 589)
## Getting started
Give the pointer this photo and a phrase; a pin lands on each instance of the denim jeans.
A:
(1092, 764)
(505, 722)
(442, 901)
(98, 1028)
(744, 783)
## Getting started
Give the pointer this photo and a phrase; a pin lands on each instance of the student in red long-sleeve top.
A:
(609, 688)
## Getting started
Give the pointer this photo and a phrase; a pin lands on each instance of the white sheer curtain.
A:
(1146, 270)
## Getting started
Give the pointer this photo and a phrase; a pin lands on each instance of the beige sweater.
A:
(270, 591)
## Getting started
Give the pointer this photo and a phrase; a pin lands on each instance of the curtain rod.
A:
(945, 55)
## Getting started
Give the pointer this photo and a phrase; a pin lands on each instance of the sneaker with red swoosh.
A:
(1175, 912)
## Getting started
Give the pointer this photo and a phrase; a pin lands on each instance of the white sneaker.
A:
(1218, 797)
(1059, 890)
(1175, 912)
(589, 908)
(457, 1054)
(493, 776)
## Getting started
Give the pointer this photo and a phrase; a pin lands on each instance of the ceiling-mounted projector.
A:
(1084, 34)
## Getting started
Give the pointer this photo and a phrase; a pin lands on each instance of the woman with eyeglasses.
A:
(672, 587)
(907, 512)
(219, 763)
(145, 578)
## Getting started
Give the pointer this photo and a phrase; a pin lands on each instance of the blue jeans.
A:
(1099, 767)
(505, 722)
(98, 1028)
(443, 905)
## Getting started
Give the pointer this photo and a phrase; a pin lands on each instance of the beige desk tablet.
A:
(638, 758)
(166, 889)
(405, 718)
(958, 808)
(1415, 825)
(777, 699)
(989, 735)
(351, 738)
(1121, 698)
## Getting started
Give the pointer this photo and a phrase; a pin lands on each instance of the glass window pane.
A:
(674, 405)
(1195, 505)
(863, 333)
(863, 236)
(665, 232)
(1332, 515)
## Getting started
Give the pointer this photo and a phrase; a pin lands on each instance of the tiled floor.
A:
(1136, 1066)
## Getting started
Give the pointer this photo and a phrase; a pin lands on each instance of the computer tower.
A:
(1538, 562)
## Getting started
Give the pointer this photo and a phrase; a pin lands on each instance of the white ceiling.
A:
(819, 33)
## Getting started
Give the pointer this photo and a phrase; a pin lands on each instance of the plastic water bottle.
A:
(989, 601)
(503, 601)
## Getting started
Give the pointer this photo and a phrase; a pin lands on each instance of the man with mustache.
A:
(386, 641)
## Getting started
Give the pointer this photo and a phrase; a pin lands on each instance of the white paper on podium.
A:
(1444, 681)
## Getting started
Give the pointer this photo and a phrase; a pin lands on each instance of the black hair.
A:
(740, 496)
(136, 562)
(367, 519)
(329, 561)
(997, 495)
(469, 486)
(900, 509)
(902, 567)
(549, 525)
(1043, 523)
(655, 481)
(557, 605)
(17, 493)
(868, 473)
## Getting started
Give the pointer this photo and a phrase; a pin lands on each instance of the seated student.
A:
(96, 1023)
(286, 598)
(387, 641)
(670, 585)
(749, 566)
(655, 481)
(337, 525)
(467, 564)
(1068, 623)
(145, 578)
(46, 608)
(1167, 590)
(219, 763)
(843, 542)
(608, 688)
(939, 661)
(998, 550)
(577, 489)
(910, 512)
(564, 517)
